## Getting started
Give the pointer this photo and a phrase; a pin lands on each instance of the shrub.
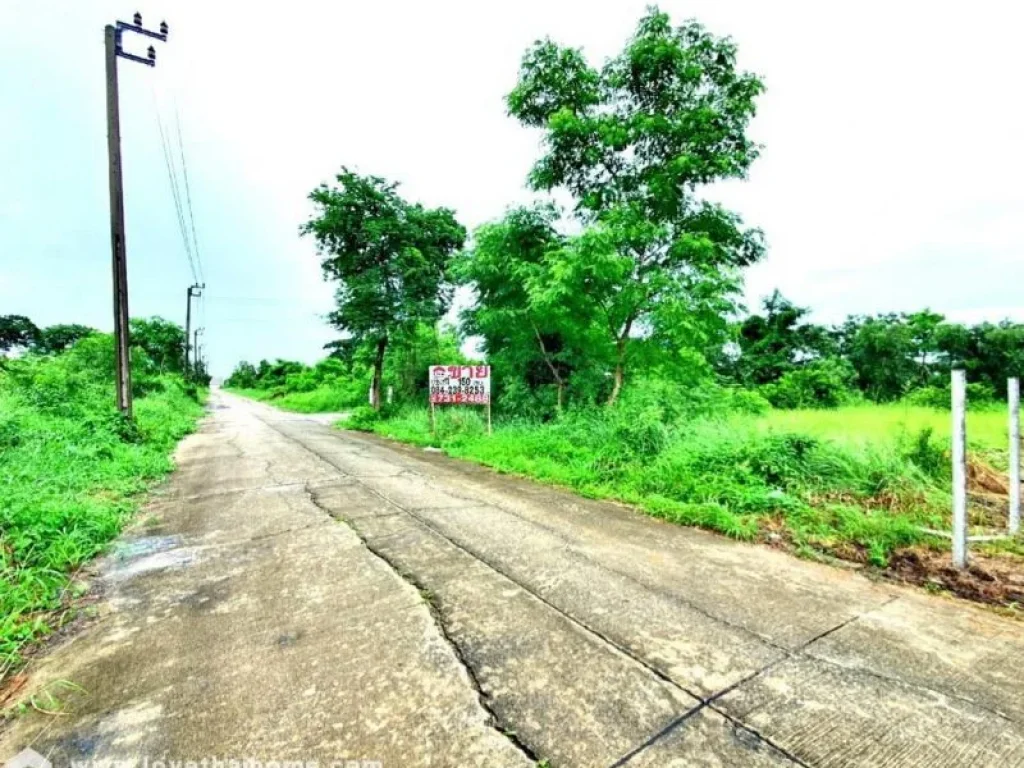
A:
(70, 468)
(979, 395)
(818, 384)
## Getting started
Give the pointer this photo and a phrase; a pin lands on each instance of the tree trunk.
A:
(559, 382)
(620, 362)
(378, 373)
(617, 385)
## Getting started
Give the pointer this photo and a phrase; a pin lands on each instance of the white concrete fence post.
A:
(1013, 392)
(959, 385)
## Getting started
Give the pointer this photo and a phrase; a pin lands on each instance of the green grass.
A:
(986, 430)
(326, 399)
(740, 475)
(71, 474)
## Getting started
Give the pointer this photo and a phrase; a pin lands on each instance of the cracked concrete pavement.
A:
(300, 593)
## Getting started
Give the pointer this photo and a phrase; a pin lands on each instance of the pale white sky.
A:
(890, 179)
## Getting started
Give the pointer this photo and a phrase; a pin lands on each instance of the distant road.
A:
(303, 594)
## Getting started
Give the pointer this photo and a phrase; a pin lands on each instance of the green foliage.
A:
(537, 346)
(17, 331)
(776, 343)
(54, 339)
(389, 258)
(980, 394)
(885, 358)
(826, 383)
(70, 472)
(334, 384)
(655, 270)
(162, 342)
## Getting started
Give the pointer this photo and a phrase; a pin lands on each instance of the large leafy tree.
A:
(54, 339)
(162, 341)
(389, 258)
(633, 142)
(774, 343)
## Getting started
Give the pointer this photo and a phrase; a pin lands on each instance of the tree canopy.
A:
(633, 142)
(17, 331)
(389, 258)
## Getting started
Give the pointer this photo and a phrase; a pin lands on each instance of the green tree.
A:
(243, 377)
(924, 327)
(162, 341)
(17, 331)
(524, 337)
(882, 351)
(632, 142)
(996, 352)
(389, 257)
(56, 338)
(778, 341)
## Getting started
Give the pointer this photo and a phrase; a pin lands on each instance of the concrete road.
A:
(302, 594)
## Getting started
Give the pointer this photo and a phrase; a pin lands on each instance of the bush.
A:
(817, 384)
(979, 395)
(362, 418)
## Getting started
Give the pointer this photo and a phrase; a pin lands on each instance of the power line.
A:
(172, 178)
(256, 299)
(188, 194)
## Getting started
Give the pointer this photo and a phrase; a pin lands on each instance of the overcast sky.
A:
(890, 179)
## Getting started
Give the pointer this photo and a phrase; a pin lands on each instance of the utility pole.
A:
(195, 345)
(122, 342)
(193, 291)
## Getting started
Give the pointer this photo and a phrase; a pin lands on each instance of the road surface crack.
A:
(493, 720)
(704, 701)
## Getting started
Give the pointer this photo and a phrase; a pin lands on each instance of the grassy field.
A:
(880, 424)
(71, 474)
(321, 400)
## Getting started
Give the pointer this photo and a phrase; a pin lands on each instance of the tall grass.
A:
(71, 470)
(738, 474)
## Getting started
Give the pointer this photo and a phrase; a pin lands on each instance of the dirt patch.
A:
(11, 688)
(981, 478)
(988, 579)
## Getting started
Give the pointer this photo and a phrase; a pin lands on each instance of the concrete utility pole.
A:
(195, 346)
(1013, 390)
(193, 291)
(119, 253)
(959, 385)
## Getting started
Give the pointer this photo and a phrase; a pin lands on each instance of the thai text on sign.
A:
(467, 384)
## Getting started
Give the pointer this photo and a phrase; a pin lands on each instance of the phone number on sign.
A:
(469, 398)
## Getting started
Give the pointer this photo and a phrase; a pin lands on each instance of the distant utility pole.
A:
(193, 291)
(117, 242)
(195, 346)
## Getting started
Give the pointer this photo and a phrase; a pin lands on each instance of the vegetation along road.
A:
(590, 503)
(298, 592)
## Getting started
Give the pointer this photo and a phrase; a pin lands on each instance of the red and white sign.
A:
(465, 384)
